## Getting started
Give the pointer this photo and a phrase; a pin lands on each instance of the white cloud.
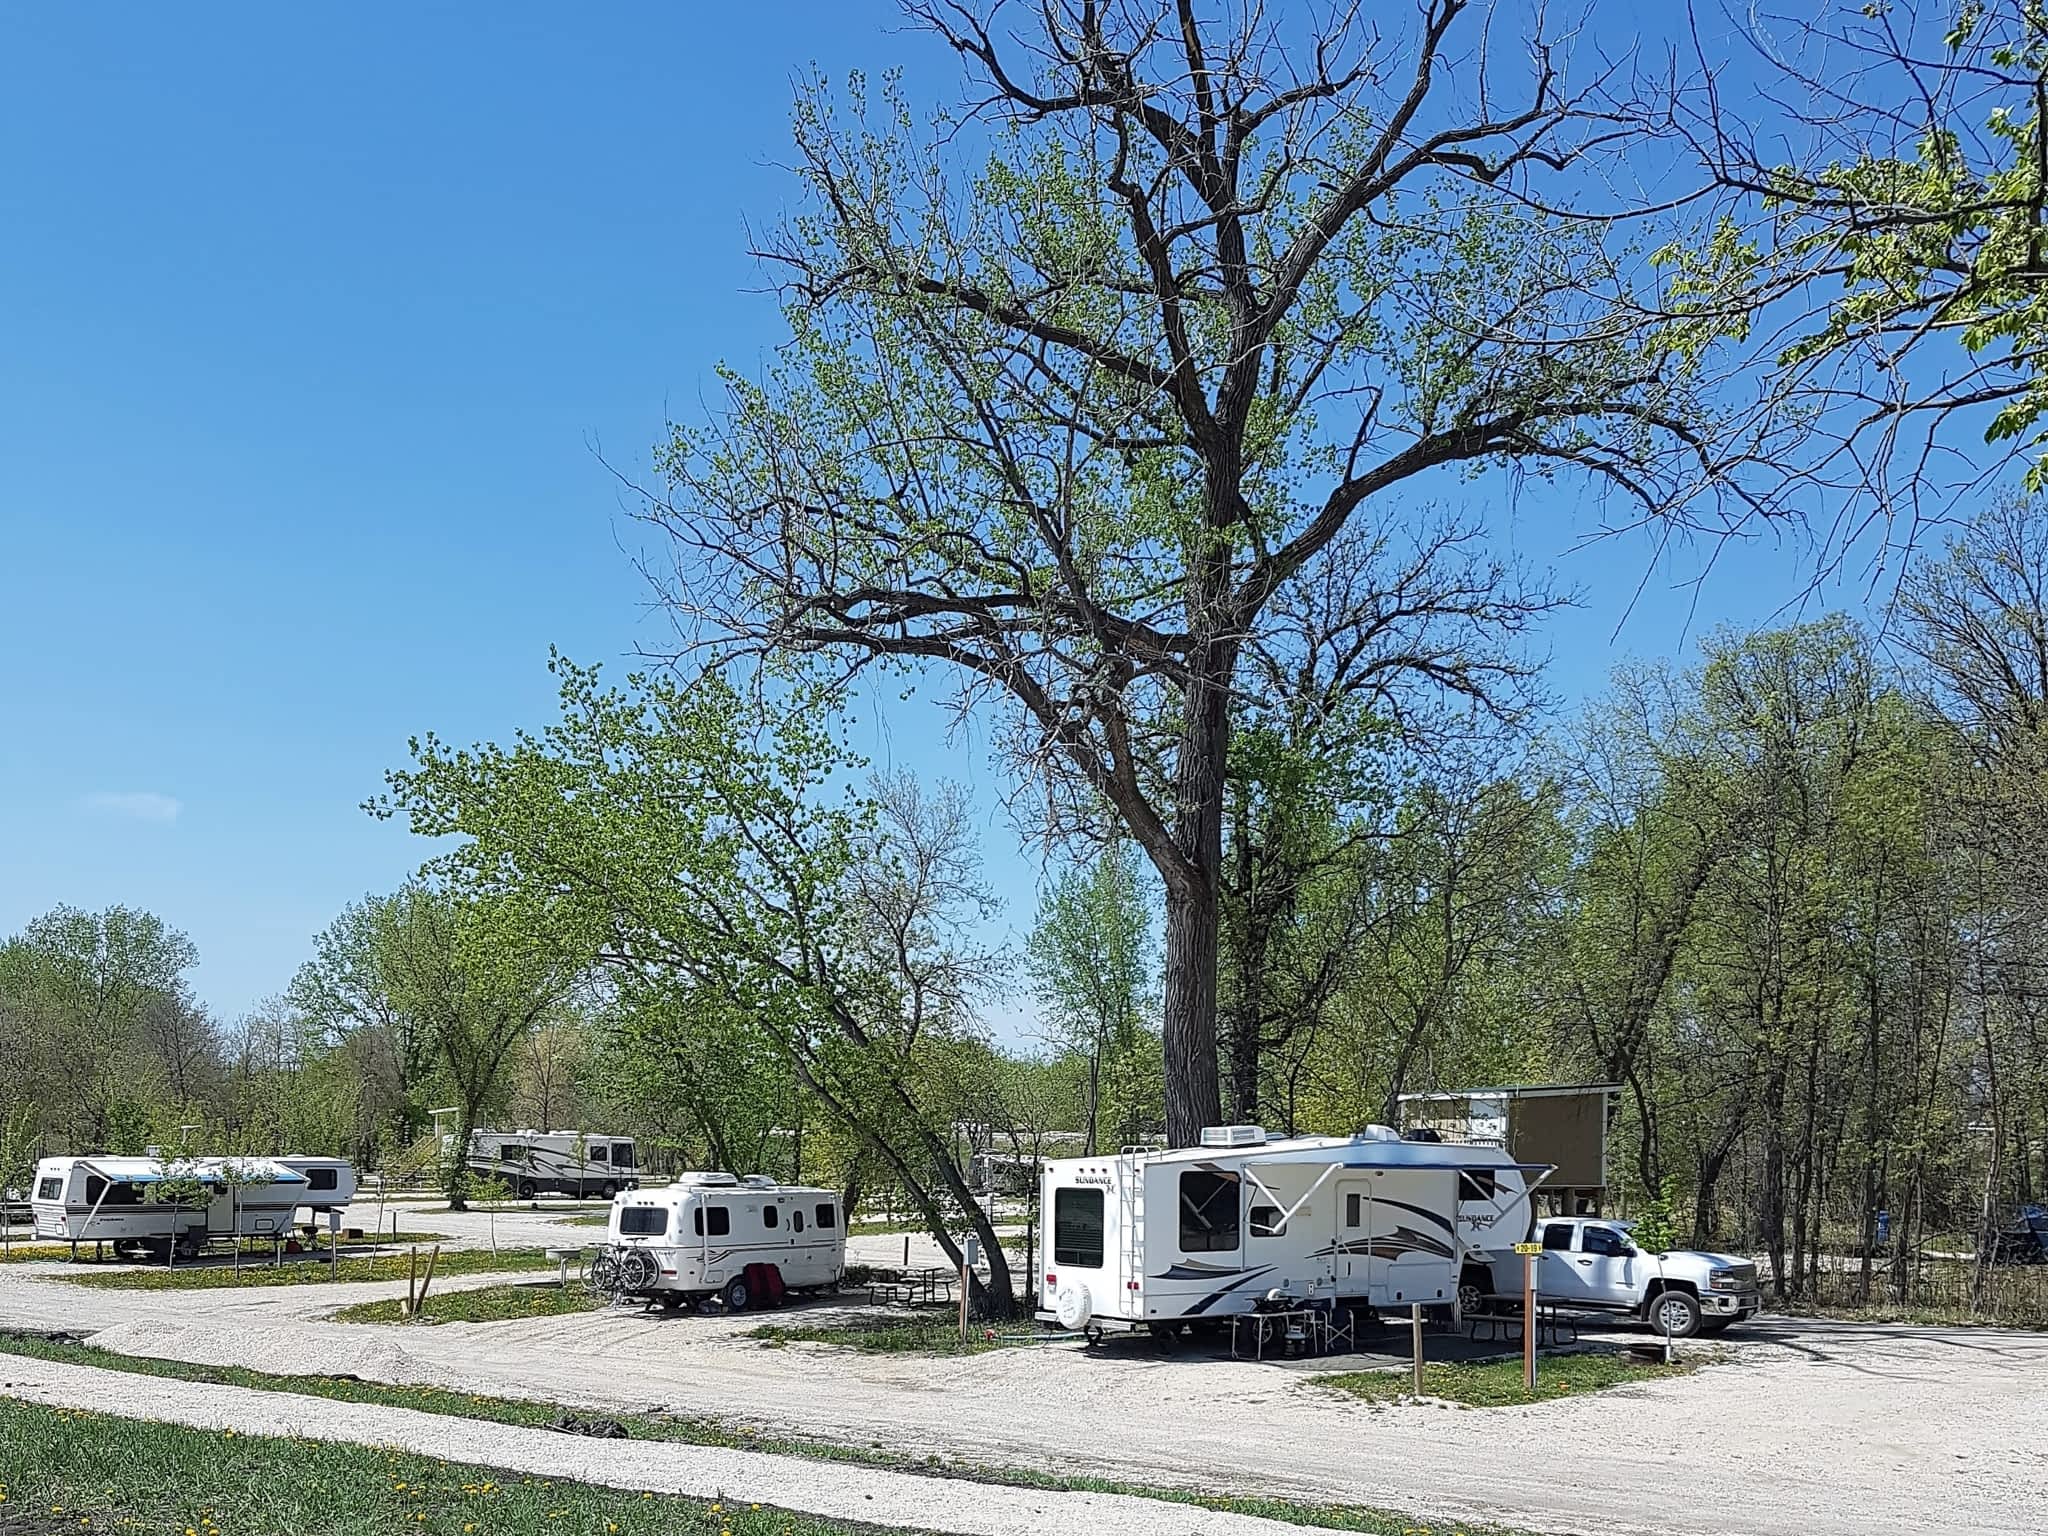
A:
(136, 805)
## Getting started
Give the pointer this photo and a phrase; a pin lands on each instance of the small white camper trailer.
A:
(696, 1237)
(1158, 1239)
(533, 1163)
(106, 1199)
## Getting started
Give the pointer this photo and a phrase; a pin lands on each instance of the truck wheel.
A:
(1675, 1313)
(735, 1294)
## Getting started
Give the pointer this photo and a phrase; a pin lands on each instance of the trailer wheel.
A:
(1474, 1292)
(736, 1295)
(188, 1246)
(672, 1301)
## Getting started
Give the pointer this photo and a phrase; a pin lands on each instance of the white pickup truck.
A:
(1592, 1263)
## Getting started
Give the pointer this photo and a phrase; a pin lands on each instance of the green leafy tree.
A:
(1061, 415)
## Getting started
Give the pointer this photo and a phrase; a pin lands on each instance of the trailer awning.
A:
(1456, 1167)
(276, 1175)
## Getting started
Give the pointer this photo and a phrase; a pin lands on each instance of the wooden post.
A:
(427, 1279)
(412, 1276)
(906, 1250)
(1529, 1323)
(1415, 1312)
(964, 1275)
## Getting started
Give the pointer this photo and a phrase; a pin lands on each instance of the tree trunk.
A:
(1192, 1097)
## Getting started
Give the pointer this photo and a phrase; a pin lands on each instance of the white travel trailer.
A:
(105, 1199)
(533, 1163)
(1158, 1239)
(696, 1237)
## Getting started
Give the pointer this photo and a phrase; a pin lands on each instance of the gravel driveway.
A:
(1818, 1428)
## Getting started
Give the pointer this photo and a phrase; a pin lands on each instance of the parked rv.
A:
(580, 1163)
(1162, 1239)
(695, 1238)
(105, 1199)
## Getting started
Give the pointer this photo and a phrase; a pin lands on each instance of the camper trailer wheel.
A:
(736, 1296)
(525, 1190)
(672, 1301)
(1093, 1334)
(1474, 1293)
(1166, 1336)
(188, 1246)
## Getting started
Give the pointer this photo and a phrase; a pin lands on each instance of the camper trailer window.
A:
(1266, 1221)
(771, 1218)
(643, 1221)
(1479, 1184)
(50, 1189)
(721, 1221)
(323, 1178)
(796, 1219)
(1077, 1228)
(827, 1217)
(1351, 1210)
(1208, 1213)
(120, 1194)
(1557, 1236)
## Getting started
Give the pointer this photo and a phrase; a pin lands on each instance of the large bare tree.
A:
(1080, 377)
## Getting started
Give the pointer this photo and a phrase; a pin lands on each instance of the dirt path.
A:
(1826, 1429)
(824, 1489)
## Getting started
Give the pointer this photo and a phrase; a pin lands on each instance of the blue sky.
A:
(312, 322)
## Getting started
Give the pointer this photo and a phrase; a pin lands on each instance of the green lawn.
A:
(700, 1431)
(880, 1333)
(92, 1473)
(460, 1261)
(1498, 1384)
(486, 1304)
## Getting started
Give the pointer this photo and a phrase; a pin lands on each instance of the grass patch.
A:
(1498, 1383)
(93, 1473)
(717, 1432)
(880, 1334)
(460, 1261)
(486, 1304)
(31, 1253)
(601, 1218)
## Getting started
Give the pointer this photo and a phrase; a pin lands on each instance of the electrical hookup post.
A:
(1529, 1252)
(970, 1253)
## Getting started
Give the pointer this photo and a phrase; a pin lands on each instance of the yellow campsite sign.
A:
(1526, 1249)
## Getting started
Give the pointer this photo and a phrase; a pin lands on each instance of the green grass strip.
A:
(390, 1266)
(91, 1473)
(1499, 1383)
(716, 1432)
(485, 1304)
(880, 1334)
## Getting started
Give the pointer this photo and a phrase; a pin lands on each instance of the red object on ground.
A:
(764, 1285)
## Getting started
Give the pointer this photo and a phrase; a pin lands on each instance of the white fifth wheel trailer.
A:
(695, 1238)
(1159, 1239)
(105, 1199)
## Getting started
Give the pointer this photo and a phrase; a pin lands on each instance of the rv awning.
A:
(1459, 1167)
(196, 1175)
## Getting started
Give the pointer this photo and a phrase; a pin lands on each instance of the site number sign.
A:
(1525, 1249)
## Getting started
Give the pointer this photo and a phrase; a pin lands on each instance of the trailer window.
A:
(796, 1219)
(1352, 1205)
(721, 1221)
(1077, 1228)
(323, 1178)
(643, 1221)
(116, 1194)
(1557, 1237)
(1208, 1212)
(50, 1189)
(827, 1217)
(1266, 1221)
(1478, 1184)
(770, 1217)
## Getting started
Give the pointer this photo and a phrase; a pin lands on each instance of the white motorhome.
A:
(695, 1237)
(105, 1198)
(578, 1163)
(1155, 1240)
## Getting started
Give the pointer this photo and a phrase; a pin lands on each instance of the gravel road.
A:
(890, 1499)
(1825, 1429)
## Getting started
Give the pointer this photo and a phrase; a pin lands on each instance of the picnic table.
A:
(910, 1287)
